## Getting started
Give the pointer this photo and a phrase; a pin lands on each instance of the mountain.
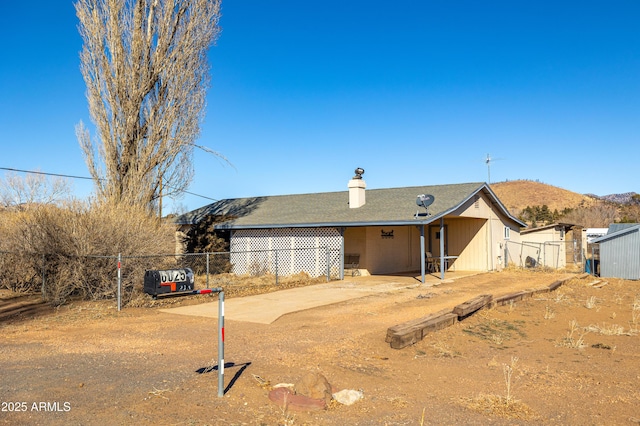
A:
(624, 198)
(519, 194)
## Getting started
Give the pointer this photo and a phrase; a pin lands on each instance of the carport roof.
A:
(390, 206)
(565, 226)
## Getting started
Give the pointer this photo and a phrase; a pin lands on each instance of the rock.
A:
(286, 399)
(348, 396)
(315, 386)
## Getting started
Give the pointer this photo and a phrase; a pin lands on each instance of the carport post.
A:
(422, 253)
(443, 264)
(341, 259)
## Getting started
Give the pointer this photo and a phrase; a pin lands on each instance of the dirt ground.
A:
(563, 358)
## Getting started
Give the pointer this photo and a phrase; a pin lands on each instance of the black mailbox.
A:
(168, 281)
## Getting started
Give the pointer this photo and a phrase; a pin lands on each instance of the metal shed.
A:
(620, 253)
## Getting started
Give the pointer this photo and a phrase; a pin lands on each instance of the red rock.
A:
(285, 398)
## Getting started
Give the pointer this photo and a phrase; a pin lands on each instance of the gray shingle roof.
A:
(383, 207)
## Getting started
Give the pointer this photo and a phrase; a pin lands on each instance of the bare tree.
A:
(145, 66)
(599, 215)
(34, 188)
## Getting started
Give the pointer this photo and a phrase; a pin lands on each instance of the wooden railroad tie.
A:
(511, 297)
(554, 285)
(410, 332)
(470, 306)
(413, 331)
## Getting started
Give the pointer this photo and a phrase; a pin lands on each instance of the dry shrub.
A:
(20, 273)
(501, 407)
(573, 341)
(75, 247)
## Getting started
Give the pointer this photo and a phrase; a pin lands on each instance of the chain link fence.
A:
(58, 277)
(533, 255)
(592, 264)
(552, 254)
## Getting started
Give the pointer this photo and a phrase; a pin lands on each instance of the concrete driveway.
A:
(268, 307)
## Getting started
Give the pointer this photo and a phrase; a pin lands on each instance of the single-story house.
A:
(554, 245)
(378, 231)
(620, 251)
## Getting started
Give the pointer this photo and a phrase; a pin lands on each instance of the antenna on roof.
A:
(424, 200)
(488, 161)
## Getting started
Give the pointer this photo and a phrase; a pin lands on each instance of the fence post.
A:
(207, 269)
(119, 281)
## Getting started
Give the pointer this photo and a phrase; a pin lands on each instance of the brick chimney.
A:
(357, 186)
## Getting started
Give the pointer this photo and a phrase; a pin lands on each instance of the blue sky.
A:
(414, 92)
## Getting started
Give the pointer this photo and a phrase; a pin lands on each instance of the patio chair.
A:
(432, 262)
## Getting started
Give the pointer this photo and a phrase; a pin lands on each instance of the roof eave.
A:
(502, 207)
(228, 226)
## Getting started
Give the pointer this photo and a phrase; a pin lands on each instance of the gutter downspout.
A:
(491, 259)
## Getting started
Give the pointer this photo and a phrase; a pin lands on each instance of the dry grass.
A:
(591, 302)
(574, 338)
(503, 406)
(561, 298)
(159, 393)
(444, 351)
(398, 402)
(499, 406)
(635, 314)
(287, 419)
(507, 370)
(549, 313)
(607, 329)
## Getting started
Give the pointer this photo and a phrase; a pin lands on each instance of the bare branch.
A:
(33, 189)
(145, 66)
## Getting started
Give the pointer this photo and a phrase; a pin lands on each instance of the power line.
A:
(86, 178)
(45, 173)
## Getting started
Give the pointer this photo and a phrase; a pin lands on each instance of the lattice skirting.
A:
(285, 251)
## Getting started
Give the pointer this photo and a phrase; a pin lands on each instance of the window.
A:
(507, 232)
